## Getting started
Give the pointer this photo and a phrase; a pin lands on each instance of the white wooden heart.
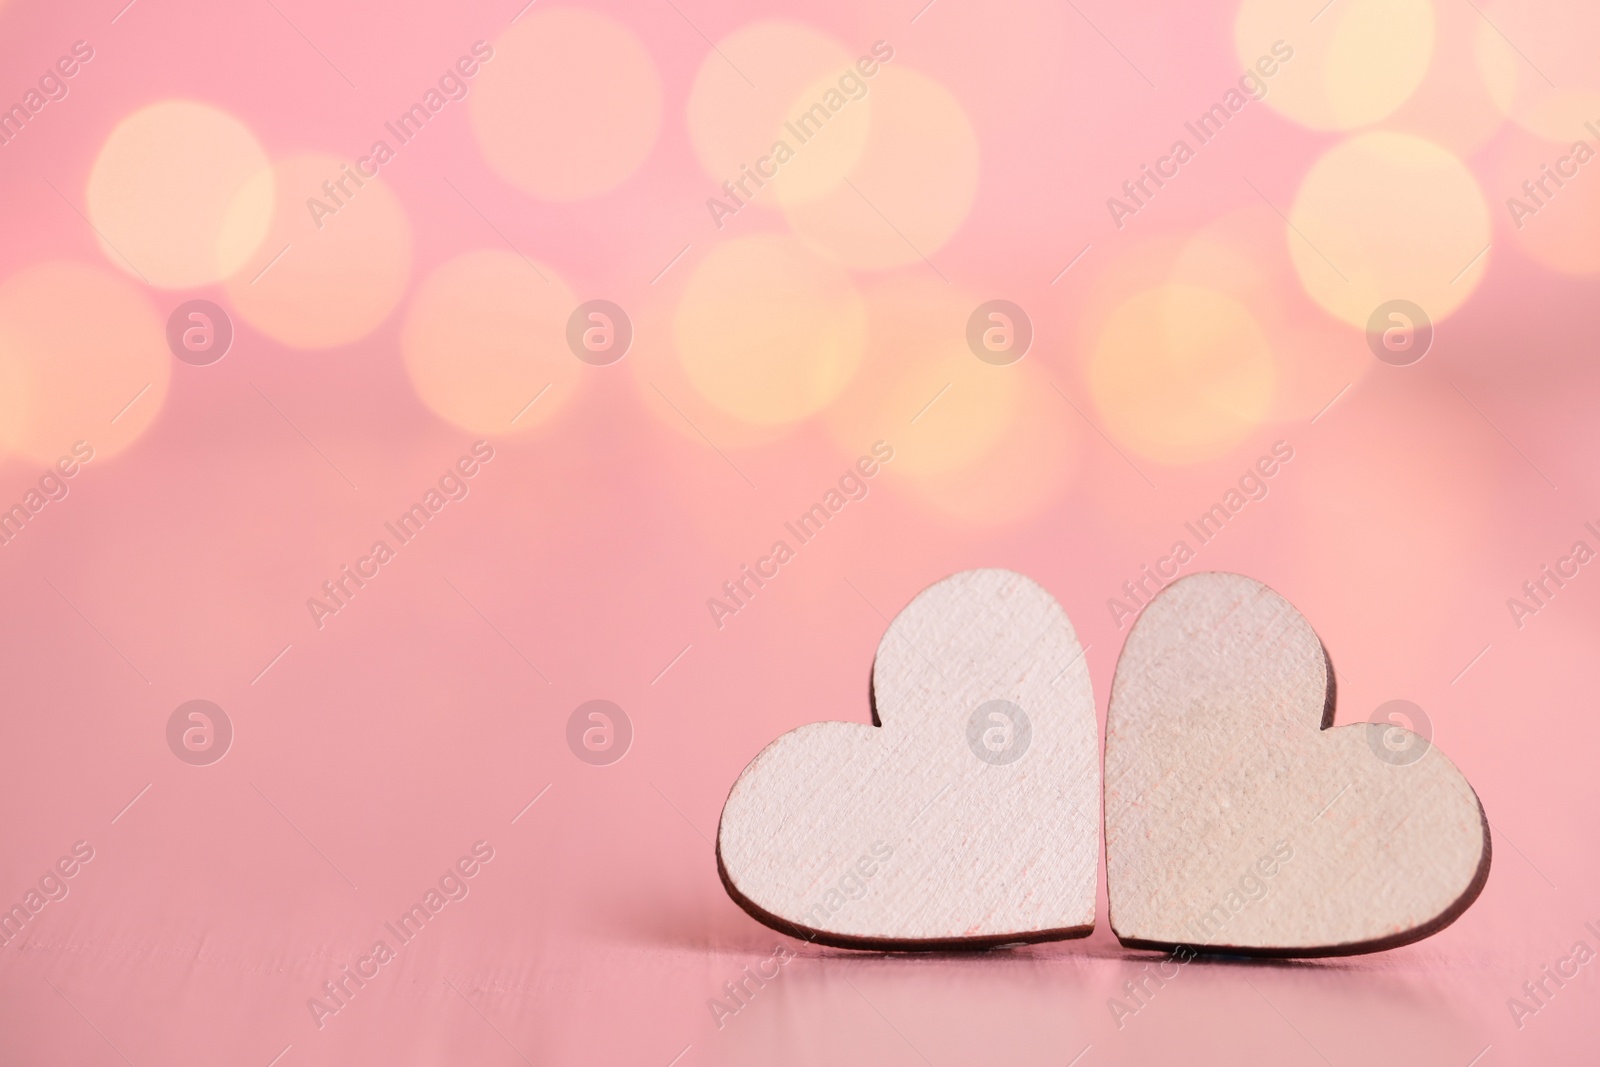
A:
(967, 818)
(1236, 819)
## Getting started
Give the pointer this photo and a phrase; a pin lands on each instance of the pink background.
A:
(426, 715)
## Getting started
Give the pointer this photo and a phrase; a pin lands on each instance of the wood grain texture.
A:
(1236, 819)
(910, 835)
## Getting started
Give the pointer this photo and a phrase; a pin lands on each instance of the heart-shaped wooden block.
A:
(1237, 820)
(967, 818)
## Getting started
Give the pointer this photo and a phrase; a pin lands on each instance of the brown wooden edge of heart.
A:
(881, 944)
(962, 944)
(935, 944)
(1352, 948)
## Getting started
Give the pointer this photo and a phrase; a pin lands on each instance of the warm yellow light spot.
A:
(1547, 83)
(1244, 255)
(738, 128)
(1453, 106)
(316, 286)
(1181, 373)
(661, 381)
(484, 342)
(1355, 64)
(912, 186)
(1556, 115)
(1386, 216)
(962, 407)
(767, 331)
(1557, 220)
(973, 440)
(1022, 472)
(83, 356)
(569, 105)
(181, 194)
(1497, 63)
(827, 126)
